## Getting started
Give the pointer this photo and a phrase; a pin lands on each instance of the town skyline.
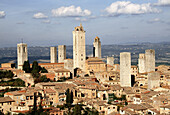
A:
(50, 23)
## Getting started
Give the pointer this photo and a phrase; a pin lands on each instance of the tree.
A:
(123, 97)
(1, 113)
(26, 67)
(35, 104)
(77, 109)
(43, 70)
(6, 74)
(68, 96)
(35, 67)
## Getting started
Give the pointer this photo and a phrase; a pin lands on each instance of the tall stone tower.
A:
(22, 54)
(125, 69)
(97, 48)
(79, 48)
(150, 60)
(153, 80)
(53, 54)
(141, 63)
(110, 60)
(61, 53)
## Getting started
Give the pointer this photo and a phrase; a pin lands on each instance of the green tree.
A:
(35, 67)
(1, 113)
(69, 97)
(123, 97)
(44, 78)
(77, 110)
(35, 70)
(43, 70)
(26, 67)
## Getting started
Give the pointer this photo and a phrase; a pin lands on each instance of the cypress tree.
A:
(26, 67)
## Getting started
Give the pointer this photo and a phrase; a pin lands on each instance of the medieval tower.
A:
(110, 60)
(97, 47)
(61, 53)
(125, 69)
(150, 60)
(79, 48)
(141, 63)
(53, 54)
(22, 54)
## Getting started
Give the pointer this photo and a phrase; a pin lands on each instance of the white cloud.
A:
(163, 2)
(2, 14)
(81, 19)
(40, 16)
(154, 20)
(70, 11)
(126, 7)
(46, 21)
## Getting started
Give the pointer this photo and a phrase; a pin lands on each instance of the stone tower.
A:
(110, 60)
(61, 53)
(97, 47)
(125, 69)
(150, 60)
(141, 63)
(79, 48)
(153, 80)
(53, 54)
(22, 54)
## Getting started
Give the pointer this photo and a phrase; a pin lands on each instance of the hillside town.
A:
(84, 85)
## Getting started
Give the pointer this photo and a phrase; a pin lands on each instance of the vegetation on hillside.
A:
(14, 82)
(6, 74)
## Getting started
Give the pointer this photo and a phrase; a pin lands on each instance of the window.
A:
(31, 97)
(24, 49)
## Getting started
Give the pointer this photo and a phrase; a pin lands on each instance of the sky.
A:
(51, 22)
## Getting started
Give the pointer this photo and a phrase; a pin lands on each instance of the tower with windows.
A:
(22, 54)
(79, 48)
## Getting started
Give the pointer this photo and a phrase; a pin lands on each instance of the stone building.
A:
(61, 53)
(95, 64)
(53, 54)
(97, 48)
(110, 60)
(6, 104)
(141, 63)
(79, 49)
(153, 80)
(68, 64)
(150, 60)
(125, 69)
(22, 54)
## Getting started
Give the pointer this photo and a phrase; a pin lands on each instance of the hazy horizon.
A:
(51, 22)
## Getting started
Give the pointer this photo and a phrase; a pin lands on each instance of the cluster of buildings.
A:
(94, 83)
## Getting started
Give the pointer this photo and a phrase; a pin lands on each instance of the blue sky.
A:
(51, 22)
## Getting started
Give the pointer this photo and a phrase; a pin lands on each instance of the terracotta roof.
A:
(6, 99)
(49, 90)
(62, 70)
(16, 92)
(137, 107)
(48, 64)
(49, 75)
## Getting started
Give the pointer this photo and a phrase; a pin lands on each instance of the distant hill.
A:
(42, 54)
